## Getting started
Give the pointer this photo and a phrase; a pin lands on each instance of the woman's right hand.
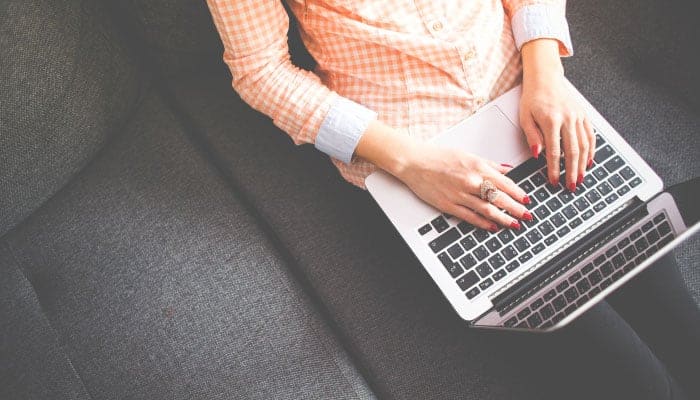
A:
(450, 180)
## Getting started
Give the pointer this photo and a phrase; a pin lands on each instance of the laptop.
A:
(579, 248)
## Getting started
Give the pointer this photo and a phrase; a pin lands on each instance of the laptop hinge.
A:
(568, 258)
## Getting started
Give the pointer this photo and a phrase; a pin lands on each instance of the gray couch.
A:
(160, 240)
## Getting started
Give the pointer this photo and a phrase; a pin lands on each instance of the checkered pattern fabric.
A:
(422, 65)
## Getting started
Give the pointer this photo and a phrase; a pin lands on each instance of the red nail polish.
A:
(515, 225)
(579, 180)
(493, 228)
(506, 165)
(590, 163)
(527, 216)
(526, 199)
(554, 182)
(535, 150)
(572, 187)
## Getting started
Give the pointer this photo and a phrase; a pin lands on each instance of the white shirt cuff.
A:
(538, 21)
(342, 128)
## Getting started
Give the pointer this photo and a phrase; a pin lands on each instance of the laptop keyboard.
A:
(477, 258)
(578, 287)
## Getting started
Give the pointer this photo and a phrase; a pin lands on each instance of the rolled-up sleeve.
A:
(533, 19)
(254, 35)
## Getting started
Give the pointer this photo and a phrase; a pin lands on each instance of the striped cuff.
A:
(539, 21)
(342, 128)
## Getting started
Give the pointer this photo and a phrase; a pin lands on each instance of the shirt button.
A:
(479, 102)
(469, 54)
(437, 26)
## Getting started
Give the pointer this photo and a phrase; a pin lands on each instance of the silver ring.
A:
(488, 191)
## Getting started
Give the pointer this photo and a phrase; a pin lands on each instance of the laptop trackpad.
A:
(489, 134)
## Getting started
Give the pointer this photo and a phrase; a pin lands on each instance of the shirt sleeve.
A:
(254, 35)
(537, 19)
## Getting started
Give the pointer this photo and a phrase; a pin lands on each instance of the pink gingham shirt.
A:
(419, 66)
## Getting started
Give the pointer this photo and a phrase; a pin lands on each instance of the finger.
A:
(571, 151)
(591, 142)
(502, 168)
(490, 212)
(583, 150)
(511, 206)
(510, 189)
(532, 134)
(470, 216)
(552, 150)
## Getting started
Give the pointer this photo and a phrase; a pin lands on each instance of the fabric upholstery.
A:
(66, 83)
(160, 285)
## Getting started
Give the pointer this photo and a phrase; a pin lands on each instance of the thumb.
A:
(532, 133)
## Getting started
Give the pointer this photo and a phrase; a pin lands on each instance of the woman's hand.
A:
(450, 180)
(551, 116)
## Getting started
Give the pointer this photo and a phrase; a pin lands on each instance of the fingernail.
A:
(515, 225)
(535, 150)
(527, 216)
(579, 180)
(554, 182)
(526, 199)
(590, 163)
(493, 228)
(572, 187)
(506, 165)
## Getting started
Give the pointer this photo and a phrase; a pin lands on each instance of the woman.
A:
(392, 74)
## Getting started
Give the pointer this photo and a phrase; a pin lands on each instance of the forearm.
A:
(386, 148)
(541, 61)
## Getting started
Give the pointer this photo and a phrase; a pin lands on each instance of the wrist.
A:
(541, 61)
(386, 148)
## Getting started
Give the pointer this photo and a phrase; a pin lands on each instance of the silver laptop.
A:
(579, 248)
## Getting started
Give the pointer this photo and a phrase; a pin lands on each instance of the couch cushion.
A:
(66, 84)
(159, 284)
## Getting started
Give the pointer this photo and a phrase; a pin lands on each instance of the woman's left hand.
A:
(551, 117)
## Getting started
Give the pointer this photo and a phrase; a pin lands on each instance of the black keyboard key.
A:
(592, 196)
(524, 313)
(593, 292)
(574, 277)
(600, 173)
(509, 252)
(588, 268)
(511, 322)
(468, 280)
(641, 244)
(618, 261)
(521, 244)
(525, 257)
(581, 204)
(512, 266)
(526, 186)
(455, 251)
(559, 303)
(635, 182)
(468, 243)
(581, 301)
(538, 179)
(627, 173)
(659, 217)
(473, 292)
(571, 294)
(550, 240)
(565, 196)
(622, 243)
(611, 251)
(440, 224)
(652, 236)
(465, 227)
(579, 190)
(480, 235)
(599, 260)
(444, 240)
(554, 204)
(493, 244)
(541, 195)
(486, 284)
(599, 207)
(547, 312)
(604, 188)
(536, 304)
(664, 228)
(562, 285)
(534, 236)
(499, 274)
(563, 231)
(550, 295)
(506, 236)
(425, 229)
(611, 198)
(480, 253)
(630, 253)
(538, 248)
(607, 269)
(468, 261)
(571, 308)
(586, 215)
(589, 181)
(455, 270)
(636, 234)
(583, 286)
(614, 163)
(484, 270)
(574, 223)
(569, 211)
(606, 283)
(647, 225)
(534, 321)
(603, 154)
(623, 190)
(496, 261)
(615, 180)
(617, 275)
(445, 259)
(599, 141)
(558, 220)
